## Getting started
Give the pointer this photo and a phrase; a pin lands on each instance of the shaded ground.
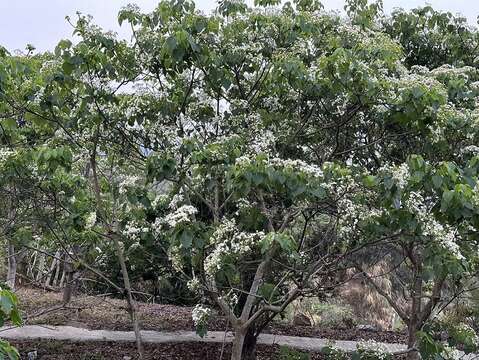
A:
(44, 307)
(49, 350)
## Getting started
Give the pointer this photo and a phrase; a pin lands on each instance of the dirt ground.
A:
(55, 350)
(45, 307)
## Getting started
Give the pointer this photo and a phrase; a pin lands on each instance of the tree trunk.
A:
(119, 249)
(12, 266)
(249, 346)
(238, 342)
(52, 269)
(41, 268)
(129, 296)
(68, 290)
(412, 343)
(244, 345)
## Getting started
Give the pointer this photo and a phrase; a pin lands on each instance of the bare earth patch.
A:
(95, 312)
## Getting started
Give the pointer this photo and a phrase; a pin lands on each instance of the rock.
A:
(127, 357)
(366, 327)
(32, 355)
(301, 320)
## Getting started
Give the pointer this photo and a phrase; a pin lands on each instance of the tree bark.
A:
(12, 266)
(119, 249)
(249, 345)
(69, 283)
(412, 343)
(244, 345)
(129, 296)
(238, 342)
(52, 269)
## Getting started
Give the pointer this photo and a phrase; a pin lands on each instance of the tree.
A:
(263, 150)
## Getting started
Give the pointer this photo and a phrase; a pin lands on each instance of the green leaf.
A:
(186, 239)
(437, 181)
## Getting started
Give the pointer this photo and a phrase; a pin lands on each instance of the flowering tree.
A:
(259, 150)
(428, 214)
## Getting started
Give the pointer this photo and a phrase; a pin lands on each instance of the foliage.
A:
(286, 353)
(252, 153)
(8, 312)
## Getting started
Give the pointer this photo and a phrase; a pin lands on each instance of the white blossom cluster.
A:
(400, 174)
(471, 149)
(175, 201)
(231, 298)
(5, 154)
(183, 214)
(200, 314)
(465, 329)
(373, 348)
(90, 220)
(444, 235)
(450, 353)
(229, 241)
(133, 230)
(127, 182)
(351, 213)
(296, 165)
(194, 285)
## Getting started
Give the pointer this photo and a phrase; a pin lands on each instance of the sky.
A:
(42, 22)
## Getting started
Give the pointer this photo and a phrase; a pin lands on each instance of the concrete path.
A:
(70, 333)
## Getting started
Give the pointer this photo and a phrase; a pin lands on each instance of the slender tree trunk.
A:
(244, 345)
(249, 345)
(52, 269)
(129, 296)
(41, 267)
(416, 305)
(12, 266)
(238, 342)
(119, 249)
(68, 289)
(412, 343)
(57, 273)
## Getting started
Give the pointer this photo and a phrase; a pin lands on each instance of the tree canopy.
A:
(254, 153)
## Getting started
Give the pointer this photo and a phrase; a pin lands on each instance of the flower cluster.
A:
(90, 221)
(200, 314)
(5, 154)
(133, 230)
(400, 174)
(184, 214)
(449, 353)
(471, 149)
(445, 235)
(372, 349)
(229, 241)
(295, 165)
(127, 182)
(194, 285)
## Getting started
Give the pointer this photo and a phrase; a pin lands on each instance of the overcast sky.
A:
(42, 22)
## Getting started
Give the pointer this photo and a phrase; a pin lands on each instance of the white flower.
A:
(472, 149)
(200, 314)
(450, 353)
(445, 235)
(90, 220)
(229, 241)
(372, 348)
(128, 181)
(400, 174)
(194, 285)
(183, 214)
